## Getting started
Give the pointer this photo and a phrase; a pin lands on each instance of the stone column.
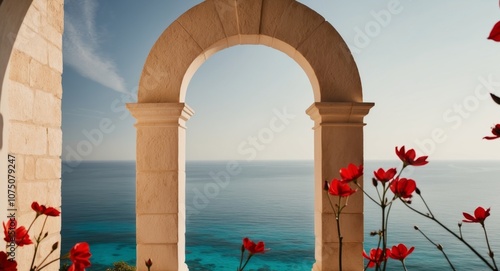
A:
(338, 141)
(160, 184)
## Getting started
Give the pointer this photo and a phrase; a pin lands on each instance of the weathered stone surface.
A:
(249, 15)
(334, 66)
(54, 137)
(158, 148)
(33, 19)
(203, 24)
(29, 168)
(39, 75)
(55, 57)
(48, 168)
(55, 15)
(272, 13)
(157, 228)
(20, 67)
(28, 191)
(54, 198)
(32, 44)
(21, 100)
(166, 65)
(47, 109)
(298, 23)
(227, 16)
(159, 192)
(27, 139)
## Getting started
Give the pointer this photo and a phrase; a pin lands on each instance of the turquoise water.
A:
(273, 201)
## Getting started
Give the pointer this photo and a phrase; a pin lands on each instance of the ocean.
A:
(272, 201)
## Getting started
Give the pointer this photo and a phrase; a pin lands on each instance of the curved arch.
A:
(161, 114)
(285, 25)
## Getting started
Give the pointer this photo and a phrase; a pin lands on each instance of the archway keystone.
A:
(338, 112)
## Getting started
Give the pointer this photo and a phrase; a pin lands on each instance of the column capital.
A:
(338, 113)
(160, 114)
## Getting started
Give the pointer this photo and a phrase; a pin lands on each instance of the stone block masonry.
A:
(31, 112)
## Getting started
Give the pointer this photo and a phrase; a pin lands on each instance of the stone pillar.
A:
(160, 184)
(338, 141)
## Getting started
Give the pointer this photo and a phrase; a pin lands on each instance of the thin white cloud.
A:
(81, 46)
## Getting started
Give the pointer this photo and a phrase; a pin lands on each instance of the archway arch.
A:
(161, 114)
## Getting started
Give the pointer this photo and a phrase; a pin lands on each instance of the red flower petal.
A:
(252, 247)
(495, 32)
(6, 264)
(80, 256)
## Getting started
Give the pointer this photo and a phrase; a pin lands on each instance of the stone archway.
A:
(161, 114)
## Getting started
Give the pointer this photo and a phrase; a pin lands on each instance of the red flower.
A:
(339, 188)
(351, 172)
(408, 157)
(20, 235)
(495, 32)
(79, 255)
(42, 210)
(252, 247)
(6, 264)
(480, 214)
(403, 188)
(376, 257)
(384, 176)
(400, 252)
(495, 131)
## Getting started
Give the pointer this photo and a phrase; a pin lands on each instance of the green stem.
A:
(404, 265)
(454, 234)
(48, 262)
(337, 218)
(426, 206)
(490, 252)
(246, 262)
(27, 231)
(241, 257)
(385, 235)
(438, 246)
(38, 240)
(364, 192)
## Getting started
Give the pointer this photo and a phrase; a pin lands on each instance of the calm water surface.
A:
(273, 201)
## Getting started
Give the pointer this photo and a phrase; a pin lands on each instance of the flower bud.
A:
(491, 254)
(417, 191)
(459, 224)
(46, 234)
(326, 186)
(374, 182)
(415, 227)
(440, 247)
(55, 246)
(149, 263)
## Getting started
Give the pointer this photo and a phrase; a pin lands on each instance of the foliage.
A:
(121, 266)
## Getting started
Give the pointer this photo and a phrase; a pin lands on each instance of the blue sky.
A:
(426, 65)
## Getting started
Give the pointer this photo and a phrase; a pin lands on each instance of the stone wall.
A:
(31, 110)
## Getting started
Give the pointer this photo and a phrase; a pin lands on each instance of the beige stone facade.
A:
(161, 114)
(30, 106)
